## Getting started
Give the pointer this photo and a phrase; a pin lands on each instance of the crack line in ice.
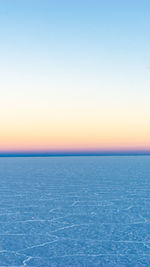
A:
(71, 226)
(26, 260)
(39, 245)
(98, 255)
(41, 220)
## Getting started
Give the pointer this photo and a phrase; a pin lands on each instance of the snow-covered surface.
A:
(75, 211)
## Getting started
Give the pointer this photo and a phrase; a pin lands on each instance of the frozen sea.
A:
(75, 211)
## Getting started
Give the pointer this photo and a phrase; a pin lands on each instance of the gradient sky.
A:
(74, 75)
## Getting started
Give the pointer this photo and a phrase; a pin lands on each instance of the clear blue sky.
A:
(75, 74)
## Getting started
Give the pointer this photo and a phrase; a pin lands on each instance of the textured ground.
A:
(75, 211)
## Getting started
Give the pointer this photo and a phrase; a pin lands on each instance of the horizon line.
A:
(74, 153)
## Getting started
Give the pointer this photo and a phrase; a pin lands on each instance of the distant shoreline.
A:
(74, 154)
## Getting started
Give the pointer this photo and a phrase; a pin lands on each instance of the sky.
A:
(74, 75)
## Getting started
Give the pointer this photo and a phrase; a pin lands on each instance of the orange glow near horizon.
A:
(80, 126)
(79, 136)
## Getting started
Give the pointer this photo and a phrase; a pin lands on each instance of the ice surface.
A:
(75, 211)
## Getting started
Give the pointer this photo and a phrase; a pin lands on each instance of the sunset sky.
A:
(74, 75)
